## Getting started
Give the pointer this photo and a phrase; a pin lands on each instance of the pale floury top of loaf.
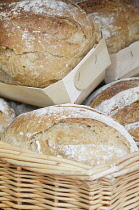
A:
(119, 101)
(15, 20)
(114, 96)
(74, 132)
(111, 89)
(42, 41)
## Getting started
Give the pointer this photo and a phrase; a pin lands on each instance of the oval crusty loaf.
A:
(69, 131)
(119, 100)
(42, 41)
(119, 21)
(7, 115)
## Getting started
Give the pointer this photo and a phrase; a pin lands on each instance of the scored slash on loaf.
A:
(74, 132)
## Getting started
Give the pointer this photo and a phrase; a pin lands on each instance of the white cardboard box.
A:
(73, 88)
(124, 64)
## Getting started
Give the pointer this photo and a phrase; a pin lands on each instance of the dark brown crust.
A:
(135, 133)
(129, 114)
(112, 90)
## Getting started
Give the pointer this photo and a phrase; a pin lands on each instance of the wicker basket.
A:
(32, 181)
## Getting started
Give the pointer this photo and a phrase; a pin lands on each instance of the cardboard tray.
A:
(73, 88)
(124, 64)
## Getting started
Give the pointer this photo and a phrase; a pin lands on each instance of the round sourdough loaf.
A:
(119, 21)
(42, 41)
(119, 100)
(7, 115)
(74, 132)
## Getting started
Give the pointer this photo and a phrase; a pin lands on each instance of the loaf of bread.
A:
(74, 132)
(119, 100)
(42, 41)
(119, 21)
(7, 115)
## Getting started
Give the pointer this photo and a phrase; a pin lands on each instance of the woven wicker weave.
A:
(32, 181)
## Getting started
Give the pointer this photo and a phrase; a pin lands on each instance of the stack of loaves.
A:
(74, 132)
(120, 100)
(42, 41)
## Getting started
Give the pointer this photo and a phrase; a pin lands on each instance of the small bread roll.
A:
(74, 132)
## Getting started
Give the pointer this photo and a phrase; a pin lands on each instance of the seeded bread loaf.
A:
(42, 41)
(7, 115)
(119, 100)
(69, 131)
(119, 21)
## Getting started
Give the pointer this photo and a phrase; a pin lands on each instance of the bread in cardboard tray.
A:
(74, 132)
(120, 100)
(7, 115)
(42, 41)
(119, 21)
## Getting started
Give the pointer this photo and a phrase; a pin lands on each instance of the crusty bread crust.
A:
(69, 131)
(120, 100)
(119, 21)
(42, 41)
(108, 91)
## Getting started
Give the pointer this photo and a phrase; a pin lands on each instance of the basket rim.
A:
(47, 164)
